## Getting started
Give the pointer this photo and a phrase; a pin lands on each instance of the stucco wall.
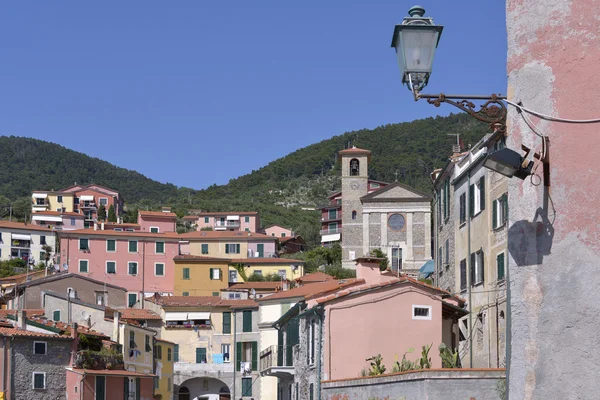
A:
(552, 68)
(431, 385)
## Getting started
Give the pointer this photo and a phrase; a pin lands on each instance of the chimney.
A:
(115, 335)
(367, 268)
(74, 343)
(95, 226)
(102, 226)
(21, 320)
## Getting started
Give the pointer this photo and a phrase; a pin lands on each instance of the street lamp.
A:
(415, 41)
(509, 163)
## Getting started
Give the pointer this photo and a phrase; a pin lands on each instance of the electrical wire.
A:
(551, 118)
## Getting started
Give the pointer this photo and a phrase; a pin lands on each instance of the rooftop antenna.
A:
(396, 173)
(456, 147)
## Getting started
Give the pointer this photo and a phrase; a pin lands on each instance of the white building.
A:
(25, 241)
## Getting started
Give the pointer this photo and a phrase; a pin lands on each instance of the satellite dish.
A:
(85, 315)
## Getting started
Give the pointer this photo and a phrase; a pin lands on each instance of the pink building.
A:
(226, 221)
(157, 221)
(58, 220)
(278, 231)
(141, 262)
(90, 384)
(87, 199)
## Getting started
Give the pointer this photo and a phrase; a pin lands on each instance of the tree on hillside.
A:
(112, 216)
(102, 212)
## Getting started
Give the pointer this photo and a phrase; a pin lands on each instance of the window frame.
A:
(163, 269)
(45, 347)
(420, 317)
(87, 242)
(115, 245)
(129, 246)
(87, 266)
(185, 276)
(503, 277)
(33, 374)
(462, 209)
(156, 248)
(204, 246)
(154, 227)
(106, 267)
(129, 268)
(100, 201)
(129, 305)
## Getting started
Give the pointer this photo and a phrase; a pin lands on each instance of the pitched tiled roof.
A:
(113, 225)
(226, 235)
(212, 214)
(254, 285)
(70, 214)
(190, 257)
(315, 277)
(354, 150)
(28, 312)
(14, 332)
(137, 313)
(32, 275)
(201, 301)
(112, 372)
(65, 275)
(267, 260)
(111, 232)
(159, 214)
(65, 327)
(314, 289)
(23, 226)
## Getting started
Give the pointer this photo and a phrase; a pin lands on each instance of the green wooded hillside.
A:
(303, 178)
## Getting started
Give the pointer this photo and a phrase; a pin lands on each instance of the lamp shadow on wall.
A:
(530, 241)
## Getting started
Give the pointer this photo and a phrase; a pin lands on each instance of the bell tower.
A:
(355, 177)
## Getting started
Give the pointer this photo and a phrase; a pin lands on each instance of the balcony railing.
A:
(21, 244)
(226, 225)
(273, 361)
(331, 231)
(330, 217)
(87, 204)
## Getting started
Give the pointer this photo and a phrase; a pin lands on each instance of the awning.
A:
(47, 218)
(176, 316)
(86, 198)
(198, 315)
(233, 218)
(40, 195)
(17, 236)
(331, 238)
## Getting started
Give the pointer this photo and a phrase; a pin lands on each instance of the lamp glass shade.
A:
(415, 47)
(508, 163)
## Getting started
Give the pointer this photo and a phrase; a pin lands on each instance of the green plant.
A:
(383, 264)
(241, 270)
(404, 365)
(256, 278)
(112, 216)
(101, 212)
(449, 359)
(425, 360)
(363, 372)
(377, 367)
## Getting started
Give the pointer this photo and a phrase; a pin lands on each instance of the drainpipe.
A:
(469, 269)
(234, 352)
(319, 355)
(143, 273)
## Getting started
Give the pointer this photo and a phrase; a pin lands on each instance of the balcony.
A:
(211, 370)
(104, 359)
(220, 225)
(273, 362)
(330, 217)
(87, 205)
(330, 231)
(21, 244)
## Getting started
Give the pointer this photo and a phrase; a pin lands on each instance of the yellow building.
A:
(164, 359)
(230, 244)
(137, 343)
(200, 275)
(284, 267)
(52, 201)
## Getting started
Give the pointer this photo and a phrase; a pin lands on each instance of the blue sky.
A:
(199, 92)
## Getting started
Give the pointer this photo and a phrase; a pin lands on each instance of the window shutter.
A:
(238, 355)
(280, 347)
(210, 274)
(247, 321)
(138, 388)
(226, 249)
(254, 356)
(505, 205)
(482, 192)
(471, 200)
(472, 269)
(226, 322)
(494, 214)
(100, 389)
(463, 274)
(500, 261)
(56, 315)
(481, 266)
(447, 202)
(176, 353)
(237, 248)
(126, 388)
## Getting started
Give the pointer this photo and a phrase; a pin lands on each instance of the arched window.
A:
(353, 214)
(354, 167)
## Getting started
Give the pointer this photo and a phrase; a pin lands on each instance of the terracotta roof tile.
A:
(28, 312)
(226, 234)
(190, 257)
(23, 226)
(267, 260)
(32, 274)
(14, 332)
(159, 214)
(201, 301)
(254, 285)
(71, 214)
(110, 232)
(212, 214)
(314, 289)
(137, 313)
(315, 277)
(354, 150)
(112, 372)
(65, 327)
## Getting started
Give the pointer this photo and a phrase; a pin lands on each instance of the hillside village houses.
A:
(174, 316)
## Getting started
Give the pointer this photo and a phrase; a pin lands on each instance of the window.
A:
(421, 312)
(204, 248)
(185, 293)
(39, 380)
(215, 274)
(282, 273)
(396, 258)
(159, 247)
(133, 246)
(258, 272)
(248, 230)
(374, 185)
(158, 352)
(225, 351)
(148, 348)
(159, 269)
(247, 220)
(111, 267)
(311, 391)
(76, 200)
(200, 355)
(463, 274)
(42, 255)
(156, 382)
(440, 260)
(83, 244)
(246, 386)
(500, 265)
(111, 245)
(40, 202)
(235, 296)
(463, 207)
(477, 197)
(311, 341)
(354, 167)
(232, 276)
(396, 222)
(59, 199)
(103, 201)
(500, 211)
(39, 348)
(477, 268)
(282, 234)
(206, 220)
(131, 299)
(132, 268)
(100, 298)
(247, 321)
(42, 239)
(439, 207)
(216, 294)
(353, 214)
(332, 227)
(333, 214)
(446, 199)
(154, 229)
(72, 221)
(176, 353)
(186, 273)
(447, 252)
(226, 322)
(232, 248)
(169, 354)
(83, 266)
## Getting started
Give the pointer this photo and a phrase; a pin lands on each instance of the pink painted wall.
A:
(163, 224)
(73, 381)
(114, 387)
(269, 246)
(378, 322)
(98, 256)
(369, 271)
(253, 223)
(277, 231)
(97, 195)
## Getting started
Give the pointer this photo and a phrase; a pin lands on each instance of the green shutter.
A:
(176, 353)
(100, 387)
(210, 274)
(160, 269)
(126, 388)
(138, 388)
(238, 355)
(254, 356)
(482, 192)
(500, 260)
(205, 248)
(247, 321)
(56, 315)
(482, 267)
(311, 390)
(471, 200)
(160, 247)
(505, 205)
(246, 386)
(226, 249)
(200, 354)
(110, 245)
(186, 273)
(260, 249)
(83, 266)
(237, 248)
(83, 244)
(132, 299)
(494, 214)
(472, 268)
(279, 347)
(226, 322)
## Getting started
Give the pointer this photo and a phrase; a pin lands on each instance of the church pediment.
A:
(396, 192)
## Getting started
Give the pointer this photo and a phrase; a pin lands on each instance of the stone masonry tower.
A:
(355, 176)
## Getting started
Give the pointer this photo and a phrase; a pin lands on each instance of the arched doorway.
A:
(204, 388)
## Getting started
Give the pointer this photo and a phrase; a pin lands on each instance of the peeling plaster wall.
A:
(553, 54)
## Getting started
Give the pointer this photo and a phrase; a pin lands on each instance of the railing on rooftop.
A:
(331, 231)
(88, 359)
(330, 217)
(273, 356)
(228, 224)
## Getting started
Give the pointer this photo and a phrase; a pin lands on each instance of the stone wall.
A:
(432, 385)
